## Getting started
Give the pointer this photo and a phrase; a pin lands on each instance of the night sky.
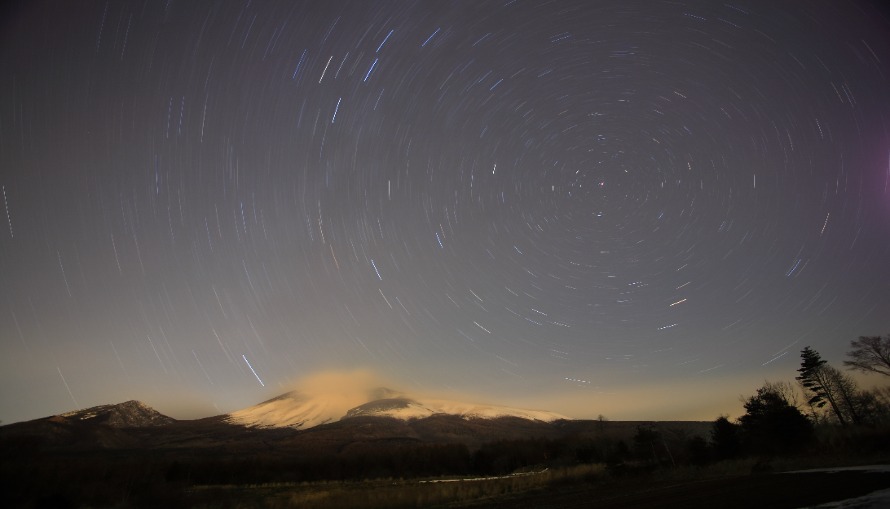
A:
(639, 209)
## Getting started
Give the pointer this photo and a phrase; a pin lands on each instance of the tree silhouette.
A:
(829, 386)
(772, 425)
(725, 438)
(870, 354)
(814, 380)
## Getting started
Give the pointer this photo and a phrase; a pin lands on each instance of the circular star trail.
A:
(639, 209)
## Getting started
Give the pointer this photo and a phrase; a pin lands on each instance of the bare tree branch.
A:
(870, 354)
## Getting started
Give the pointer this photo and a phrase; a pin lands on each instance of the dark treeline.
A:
(138, 477)
(104, 478)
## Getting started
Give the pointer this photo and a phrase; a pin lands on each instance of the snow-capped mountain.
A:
(406, 408)
(302, 410)
(130, 414)
(293, 409)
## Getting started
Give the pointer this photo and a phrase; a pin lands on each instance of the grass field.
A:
(552, 487)
(389, 493)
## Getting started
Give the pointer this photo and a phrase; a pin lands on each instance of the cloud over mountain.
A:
(334, 395)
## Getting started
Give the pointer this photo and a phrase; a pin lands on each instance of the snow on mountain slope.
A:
(122, 415)
(334, 395)
(292, 410)
(405, 408)
(321, 398)
(299, 410)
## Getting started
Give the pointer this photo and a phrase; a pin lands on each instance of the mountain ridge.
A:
(129, 414)
(384, 424)
(300, 410)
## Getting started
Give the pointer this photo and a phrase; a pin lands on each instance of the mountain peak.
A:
(383, 393)
(129, 414)
(299, 410)
(331, 396)
(389, 407)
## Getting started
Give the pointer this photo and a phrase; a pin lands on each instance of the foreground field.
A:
(390, 493)
(587, 486)
(763, 491)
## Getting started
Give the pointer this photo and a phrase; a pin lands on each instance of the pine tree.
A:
(827, 385)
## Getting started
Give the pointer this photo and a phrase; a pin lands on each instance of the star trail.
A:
(640, 209)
